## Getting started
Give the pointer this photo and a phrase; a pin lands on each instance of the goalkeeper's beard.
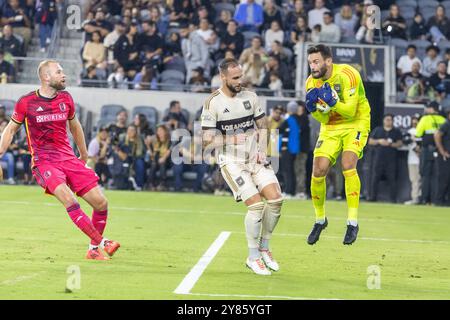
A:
(322, 73)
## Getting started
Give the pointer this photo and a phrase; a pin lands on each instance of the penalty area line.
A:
(219, 295)
(196, 272)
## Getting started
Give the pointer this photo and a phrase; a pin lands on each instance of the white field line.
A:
(256, 296)
(359, 238)
(192, 277)
(234, 213)
(19, 279)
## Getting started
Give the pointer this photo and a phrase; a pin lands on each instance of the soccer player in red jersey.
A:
(45, 113)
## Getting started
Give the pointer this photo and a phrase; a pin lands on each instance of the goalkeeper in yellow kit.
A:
(336, 98)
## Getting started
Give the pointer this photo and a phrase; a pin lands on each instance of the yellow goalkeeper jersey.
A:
(353, 109)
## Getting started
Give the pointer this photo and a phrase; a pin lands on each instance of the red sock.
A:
(99, 221)
(84, 223)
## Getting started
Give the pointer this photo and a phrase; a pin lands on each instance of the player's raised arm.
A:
(78, 137)
(7, 136)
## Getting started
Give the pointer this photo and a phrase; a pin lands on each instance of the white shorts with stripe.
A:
(246, 180)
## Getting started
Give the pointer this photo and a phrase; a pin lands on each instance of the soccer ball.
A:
(322, 106)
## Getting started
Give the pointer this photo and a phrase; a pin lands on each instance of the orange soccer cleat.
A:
(95, 254)
(111, 247)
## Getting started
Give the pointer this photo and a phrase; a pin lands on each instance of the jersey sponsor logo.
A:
(242, 125)
(247, 105)
(62, 107)
(51, 117)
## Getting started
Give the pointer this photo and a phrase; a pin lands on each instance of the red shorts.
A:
(73, 172)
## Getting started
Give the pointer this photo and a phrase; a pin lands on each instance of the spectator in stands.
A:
(160, 159)
(98, 152)
(118, 79)
(413, 163)
(440, 82)
(198, 82)
(394, 25)
(442, 140)
(180, 12)
(430, 62)
(275, 33)
(253, 70)
(118, 128)
(172, 47)
(293, 15)
(289, 148)
(203, 12)
(120, 167)
(151, 43)
(208, 35)
(8, 158)
(249, 16)
(14, 15)
(160, 22)
(140, 121)
(195, 51)
(222, 24)
(137, 151)
(418, 29)
(9, 43)
(126, 51)
(386, 140)
(277, 50)
(90, 78)
(7, 71)
(347, 22)
(315, 16)
(190, 162)
(274, 122)
(111, 39)
(255, 48)
(413, 84)
(302, 156)
(97, 24)
(3, 116)
(45, 17)
(281, 69)
(271, 13)
(175, 118)
(94, 52)
(232, 40)
(300, 32)
(439, 25)
(146, 78)
(365, 33)
(275, 84)
(406, 62)
(329, 31)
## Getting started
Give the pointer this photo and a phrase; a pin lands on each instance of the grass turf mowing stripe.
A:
(192, 277)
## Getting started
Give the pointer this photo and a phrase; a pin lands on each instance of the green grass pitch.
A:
(163, 235)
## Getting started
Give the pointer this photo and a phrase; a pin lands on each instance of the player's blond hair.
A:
(43, 65)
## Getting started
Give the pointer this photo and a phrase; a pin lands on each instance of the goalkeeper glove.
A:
(328, 95)
(311, 98)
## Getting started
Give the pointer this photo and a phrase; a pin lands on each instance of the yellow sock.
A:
(352, 190)
(318, 194)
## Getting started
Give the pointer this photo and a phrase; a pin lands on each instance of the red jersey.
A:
(46, 125)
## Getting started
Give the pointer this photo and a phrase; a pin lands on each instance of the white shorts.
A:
(246, 180)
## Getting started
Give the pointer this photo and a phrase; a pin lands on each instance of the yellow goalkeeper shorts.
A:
(331, 143)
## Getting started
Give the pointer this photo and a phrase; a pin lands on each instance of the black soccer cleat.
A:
(315, 232)
(351, 234)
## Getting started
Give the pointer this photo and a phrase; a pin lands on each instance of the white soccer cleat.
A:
(270, 262)
(258, 267)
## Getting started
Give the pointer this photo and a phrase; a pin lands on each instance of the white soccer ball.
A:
(322, 106)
